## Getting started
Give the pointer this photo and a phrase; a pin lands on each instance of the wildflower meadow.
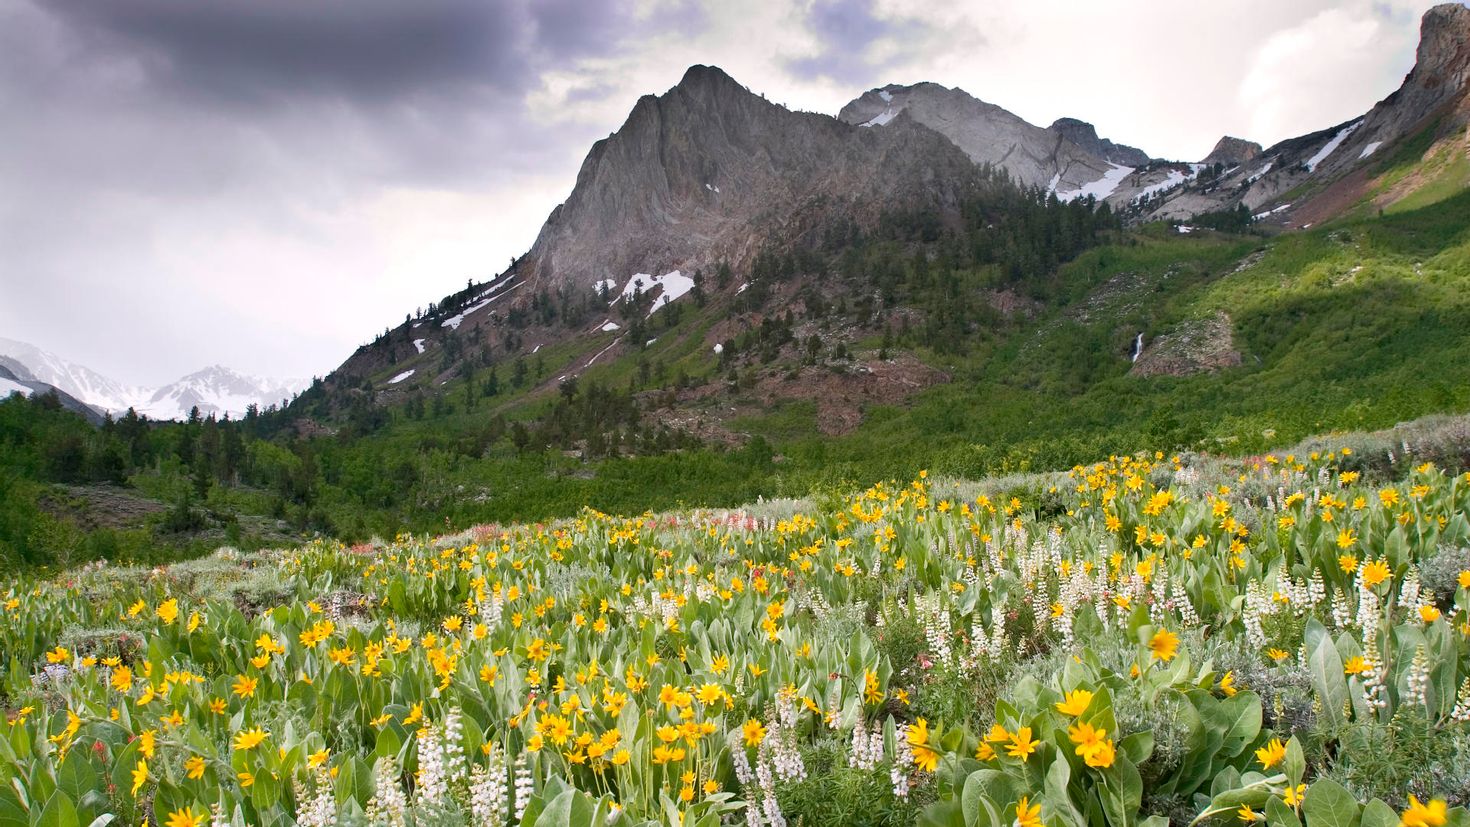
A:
(1142, 641)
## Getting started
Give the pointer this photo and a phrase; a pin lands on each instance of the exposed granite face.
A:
(1084, 135)
(1233, 152)
(988, 134)
(711, 171)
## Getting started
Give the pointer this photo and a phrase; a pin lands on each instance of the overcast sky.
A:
(267, 184)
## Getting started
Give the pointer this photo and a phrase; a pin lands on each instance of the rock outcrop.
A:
(987, 133)
(710, 171)
(1084, 135)
(1202, 346)
(1233, 152)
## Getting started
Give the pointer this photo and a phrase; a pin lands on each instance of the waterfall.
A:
(1137, 347)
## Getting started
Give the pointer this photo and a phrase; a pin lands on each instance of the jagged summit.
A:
(710, 170)
(988, 134)
(1232, 152)
(1084, 135)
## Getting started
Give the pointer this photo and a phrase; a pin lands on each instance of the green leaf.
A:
(1295, 765)
(1280, 815)
(1378, 814)
(1327, 675)
(58, 812)
(1328, 804)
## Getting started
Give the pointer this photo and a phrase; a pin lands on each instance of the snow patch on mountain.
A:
(1331, 146)
(8, 387)
(672, 286)
(1102, 187)
(482, 301)
(882, 117)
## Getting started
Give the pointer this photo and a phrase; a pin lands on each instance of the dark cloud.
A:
(365, 51)
(846, 29)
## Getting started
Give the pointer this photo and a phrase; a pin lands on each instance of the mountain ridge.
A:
(215, 389)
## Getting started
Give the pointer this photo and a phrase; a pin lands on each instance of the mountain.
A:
(14, 378)
(1297, 182)
(711, 177)
(215, 390)
(77, 380)
(1084, 134)
(710, 171)
(1412, 141)
(991, 135)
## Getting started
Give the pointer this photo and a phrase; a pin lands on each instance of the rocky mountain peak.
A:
(1444, 45)
(1232, 152)
(711, 171)
(1084, 135)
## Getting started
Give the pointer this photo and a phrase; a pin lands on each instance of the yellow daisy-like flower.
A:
(244, 687)
(250, 739)
(140, 776)
(1273, 753)
(1433, 814)
(1022, 744)
(1027, 814)
(184, 818)
(1164, 645)
(1076, 702)
(1374, 572)
(753, 732)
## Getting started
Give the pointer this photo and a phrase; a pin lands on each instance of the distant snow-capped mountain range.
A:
(214, 390)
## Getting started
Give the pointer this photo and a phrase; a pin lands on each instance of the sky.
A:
(268, 184)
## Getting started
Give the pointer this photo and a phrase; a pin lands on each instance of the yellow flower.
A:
(1093, 744)
(168, 611)
(1348, 563)
(1374, 573)
(1346, 538)
(1227, 685)
(1294, 795)
(184, 818)
(146, 743)
(1432, 814)
(1027, 814)
(1022, 744)
(872, 694)
(1164, 645)
(250, 739)
(753, 732)
(1245, 813)
(1076, 702)
(1356, 665)
(925, 758)
(194, 767)
(140, 776)
(1271, 754)
(1428, 614)
(244, 687)
(318, 758)
(122, 679)
(58, 655)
